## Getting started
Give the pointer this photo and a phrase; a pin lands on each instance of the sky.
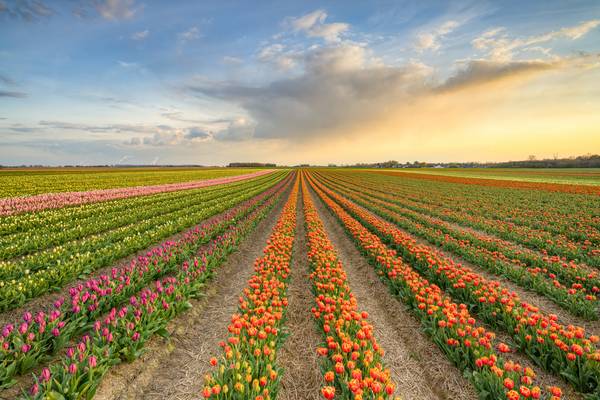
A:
(92, 82)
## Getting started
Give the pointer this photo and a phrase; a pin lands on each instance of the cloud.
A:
(196, 133)
(141, 35)
(191, 34)
(111, 128)
(313, 25)
(479, 72)
(117, 9)
(229, 60)
(501, 47)
(341, 86)
(10, 93)
(277, 55)
(577, 31)
(344, 89)
(126, 64)
(6, 80)
(27, 10)
(165, 135)
(431, 40)
(22, 128)
(238, 130)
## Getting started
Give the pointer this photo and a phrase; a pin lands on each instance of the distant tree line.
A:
(250, 164)
(585, 161)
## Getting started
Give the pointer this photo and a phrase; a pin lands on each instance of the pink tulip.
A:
(27, 317)
(73, 369)
(34, 389)
(45, 375)
(92, 361)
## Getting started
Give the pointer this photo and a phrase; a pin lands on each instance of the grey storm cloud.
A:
(337, 88)
(342, 87)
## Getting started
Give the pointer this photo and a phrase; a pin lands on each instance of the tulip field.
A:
(311, 283)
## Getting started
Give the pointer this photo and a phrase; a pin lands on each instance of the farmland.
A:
(299, 283)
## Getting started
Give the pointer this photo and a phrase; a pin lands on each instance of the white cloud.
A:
(431, 40)
(167, 136)
(279, 56)
(501, 47)
(126, 64)
(230, 60)
(578, 31)
(191, 34)
(140, 35)
(117, 9)
(313, 25)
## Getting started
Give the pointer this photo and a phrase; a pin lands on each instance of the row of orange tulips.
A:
(247, 369)
(453, 329)
(556, 225)
(354, 367)
(565, 350)
(570, 285)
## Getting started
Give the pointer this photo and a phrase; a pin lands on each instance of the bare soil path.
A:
(419, 368)
(174, 368)
(302, 378)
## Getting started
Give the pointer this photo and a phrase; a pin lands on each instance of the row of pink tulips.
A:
(17, 205)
